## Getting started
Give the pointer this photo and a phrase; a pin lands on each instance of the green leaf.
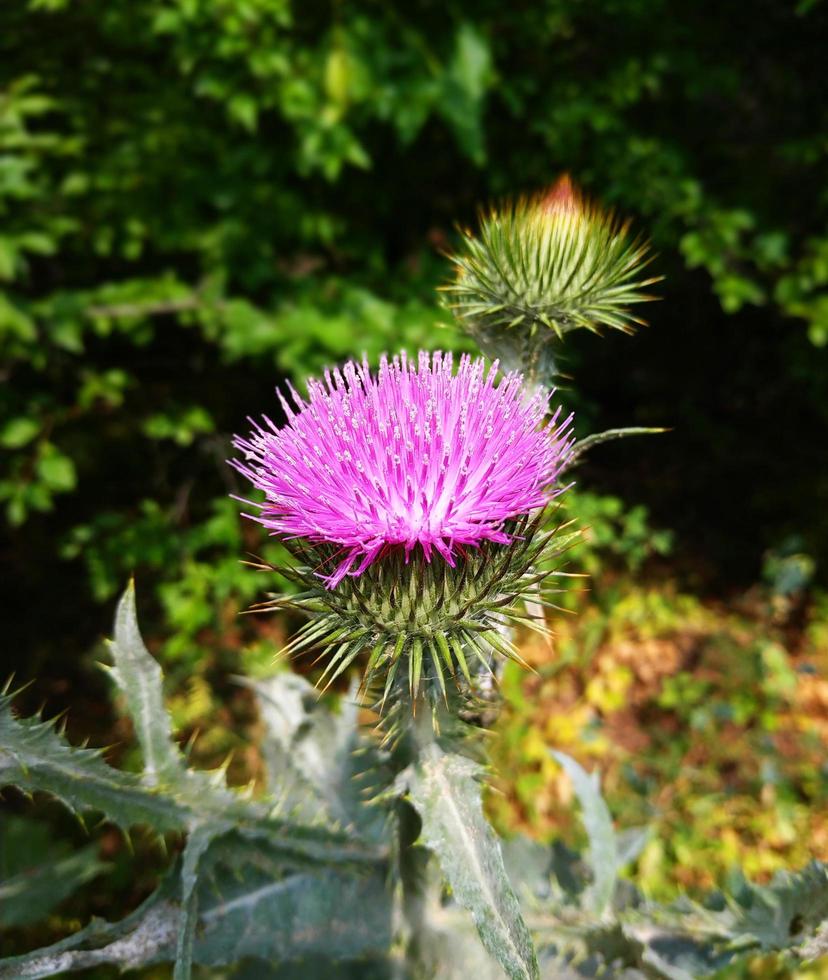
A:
(139, 676)
(257, 913)
(9, 258)
(603, 848)
(244, 110)
(247, 907)
(34, 758)
(55, 469)
(784, 913)
(138, 938)
(17, 432)
(445, 791)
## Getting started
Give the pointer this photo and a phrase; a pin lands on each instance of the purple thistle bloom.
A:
(417, 455)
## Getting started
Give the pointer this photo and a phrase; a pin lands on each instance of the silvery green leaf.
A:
(445, 791)
(243, 911)
(782, 914)
(315, 757)
(602, 854)
(304, 741)
(529, 866)
(35, 758)
(138, 675)
(130, 942)
(329, 913)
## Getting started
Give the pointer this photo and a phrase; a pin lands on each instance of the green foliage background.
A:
(201, 198)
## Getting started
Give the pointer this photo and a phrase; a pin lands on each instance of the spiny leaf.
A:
(139, 938)
(782, 913)
(138, 675)
(34, 758)
(445, 791)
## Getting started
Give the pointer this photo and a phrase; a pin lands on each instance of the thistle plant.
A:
(417, 503)
(406, 499)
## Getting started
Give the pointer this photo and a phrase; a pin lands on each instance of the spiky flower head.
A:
(412, 500)
(417, 456)
(550, 262)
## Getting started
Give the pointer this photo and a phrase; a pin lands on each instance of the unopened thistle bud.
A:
(412, 500)
(544, 265)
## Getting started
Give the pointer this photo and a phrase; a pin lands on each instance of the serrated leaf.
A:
(34, 758)
(445, 791)
(782, 913)
(603, 848)
(139, 677)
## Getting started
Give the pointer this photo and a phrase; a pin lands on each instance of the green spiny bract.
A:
(552, 262)
(437, 627)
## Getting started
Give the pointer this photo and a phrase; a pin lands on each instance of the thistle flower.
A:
(415, 457)
(413, 502)
(552, 262)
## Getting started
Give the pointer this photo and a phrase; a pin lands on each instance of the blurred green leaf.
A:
(17, 432)
(603, 847)
(56, 470)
